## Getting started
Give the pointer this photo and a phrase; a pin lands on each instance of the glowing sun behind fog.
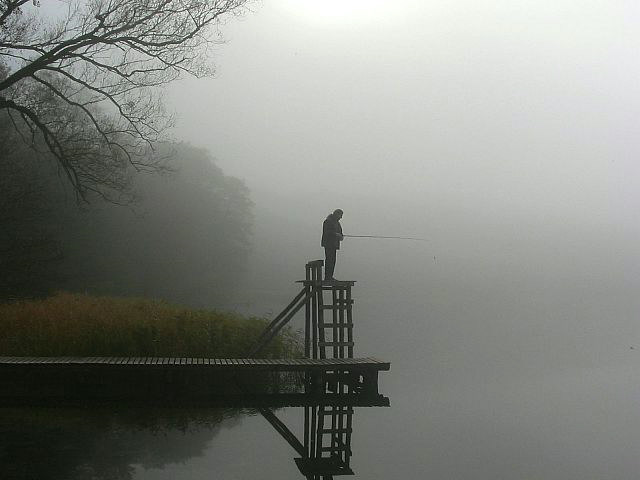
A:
(341, 12)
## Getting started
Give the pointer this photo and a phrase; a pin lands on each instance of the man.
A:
(331, 238)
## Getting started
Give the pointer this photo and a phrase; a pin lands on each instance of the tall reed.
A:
(69, 324)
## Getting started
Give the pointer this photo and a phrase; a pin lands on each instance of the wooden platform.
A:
(286, 364)
(188, 379)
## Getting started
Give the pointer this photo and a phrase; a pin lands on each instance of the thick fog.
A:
(502, 132)
(505, 134)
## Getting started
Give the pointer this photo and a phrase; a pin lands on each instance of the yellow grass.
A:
(81, 325)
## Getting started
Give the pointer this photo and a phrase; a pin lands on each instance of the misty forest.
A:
(319, 238)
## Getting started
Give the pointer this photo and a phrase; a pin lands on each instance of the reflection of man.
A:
(331, 238)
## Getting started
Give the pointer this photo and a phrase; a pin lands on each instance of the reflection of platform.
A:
(322, 466)
(328, 284)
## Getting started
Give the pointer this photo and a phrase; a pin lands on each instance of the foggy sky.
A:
(505, 132)
(525, 108)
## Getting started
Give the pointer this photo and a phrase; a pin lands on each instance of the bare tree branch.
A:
(89, 84)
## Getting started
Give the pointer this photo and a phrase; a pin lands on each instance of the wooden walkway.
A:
(285, 364)
(190, 377)
(328, 368)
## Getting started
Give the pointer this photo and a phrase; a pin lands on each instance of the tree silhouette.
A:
(86, 87)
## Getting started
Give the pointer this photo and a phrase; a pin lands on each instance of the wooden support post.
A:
(349, 322)
(349, 429)
(318, 452)
(334, 426)
(334, 321)
(312, 437)
(306, 430)
(307, 315)
(321, 337)
(341, 300)
(314, 312)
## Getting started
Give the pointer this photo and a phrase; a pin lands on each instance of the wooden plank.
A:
(369, 363)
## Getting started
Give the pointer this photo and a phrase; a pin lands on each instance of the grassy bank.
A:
(82, 325)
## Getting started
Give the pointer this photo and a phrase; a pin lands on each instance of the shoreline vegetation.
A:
(70, 324)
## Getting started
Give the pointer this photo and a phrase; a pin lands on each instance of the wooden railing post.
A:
(307, 313)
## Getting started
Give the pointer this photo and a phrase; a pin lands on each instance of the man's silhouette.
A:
(331, 238)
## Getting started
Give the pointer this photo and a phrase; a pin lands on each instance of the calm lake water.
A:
(500, 369)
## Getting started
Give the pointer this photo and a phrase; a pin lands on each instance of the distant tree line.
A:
(185, 238)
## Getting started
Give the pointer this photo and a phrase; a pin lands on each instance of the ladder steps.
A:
(334, 307)
(335, 430)
(336, 344)
(337, 448)
(337, 325)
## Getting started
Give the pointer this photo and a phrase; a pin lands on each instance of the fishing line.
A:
(383, 236)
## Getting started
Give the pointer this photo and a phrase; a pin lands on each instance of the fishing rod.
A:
(382, 236)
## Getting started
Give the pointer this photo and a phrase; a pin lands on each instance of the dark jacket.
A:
(331, 232)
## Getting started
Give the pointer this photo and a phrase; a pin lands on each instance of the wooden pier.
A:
(332, 381)
(329, 366)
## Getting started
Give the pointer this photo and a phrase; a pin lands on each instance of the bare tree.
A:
(86, 87)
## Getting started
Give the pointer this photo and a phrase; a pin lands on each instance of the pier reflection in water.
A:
(325, 448)
(113, 442)
(120, 442)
